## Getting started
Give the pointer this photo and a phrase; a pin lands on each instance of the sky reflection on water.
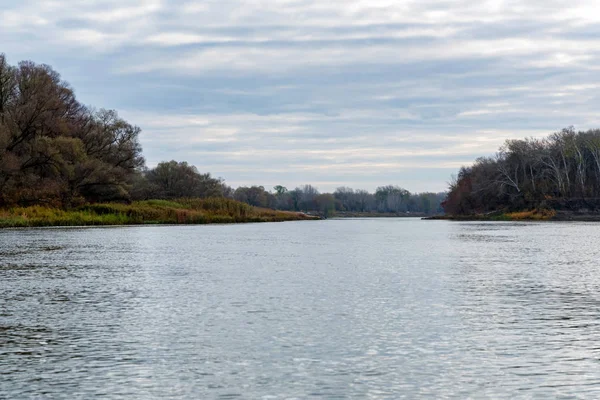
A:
(388, 308)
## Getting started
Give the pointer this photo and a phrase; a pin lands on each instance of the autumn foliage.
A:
(54, 150)
(561, 171)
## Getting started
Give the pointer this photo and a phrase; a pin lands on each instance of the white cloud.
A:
(381, 89)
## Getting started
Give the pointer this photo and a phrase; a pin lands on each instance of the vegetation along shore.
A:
(63, 163)
(553, 178)
(183, 211)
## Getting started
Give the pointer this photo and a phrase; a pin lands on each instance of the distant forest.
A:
(173, 180)
(559, 171)
(57, 152)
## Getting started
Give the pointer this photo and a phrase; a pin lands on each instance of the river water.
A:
(361, 308)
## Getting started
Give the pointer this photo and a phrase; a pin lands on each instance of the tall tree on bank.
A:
(53, 149)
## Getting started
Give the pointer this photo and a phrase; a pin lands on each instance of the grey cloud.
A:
(294, 92)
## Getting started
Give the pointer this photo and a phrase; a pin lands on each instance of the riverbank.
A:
(185, 211)
(352, 214)
(529, 215)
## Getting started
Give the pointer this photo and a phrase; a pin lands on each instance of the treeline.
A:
(386, 199)
(56, 152)
(530, 173)
(175, 180)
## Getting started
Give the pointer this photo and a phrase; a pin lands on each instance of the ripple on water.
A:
(399, 308)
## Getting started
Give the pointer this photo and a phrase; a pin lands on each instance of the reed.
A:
(181, 211)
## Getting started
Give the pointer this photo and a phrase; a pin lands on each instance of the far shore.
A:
(348, 214)
(528, 215)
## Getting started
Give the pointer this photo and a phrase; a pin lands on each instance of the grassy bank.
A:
(184, 211)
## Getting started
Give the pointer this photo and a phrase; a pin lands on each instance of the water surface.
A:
(364, 308)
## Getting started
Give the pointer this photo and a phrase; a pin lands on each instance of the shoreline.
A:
(528, 215)
(344, 214)
(149, 212)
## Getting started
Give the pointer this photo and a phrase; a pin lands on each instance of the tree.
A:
(392, 199)
(280, 190)
(307, 193)
(325, 204)
(53, 149)
(173, 180)
(255, 196)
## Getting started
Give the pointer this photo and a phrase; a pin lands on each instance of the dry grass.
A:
(532, 215)
(183, 211)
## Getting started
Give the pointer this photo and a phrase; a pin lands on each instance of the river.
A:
(335, 309)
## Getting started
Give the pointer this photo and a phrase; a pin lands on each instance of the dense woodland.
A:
(54, 151)
(560, 171)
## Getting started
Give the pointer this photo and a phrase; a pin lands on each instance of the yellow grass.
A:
(182, 211)
(536, 215)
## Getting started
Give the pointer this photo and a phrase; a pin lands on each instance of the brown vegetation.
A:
(561, 171)
(182, 211)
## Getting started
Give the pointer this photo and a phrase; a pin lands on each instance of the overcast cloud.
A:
(340, 92)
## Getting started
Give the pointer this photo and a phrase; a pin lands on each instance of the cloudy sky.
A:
(339, 92)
